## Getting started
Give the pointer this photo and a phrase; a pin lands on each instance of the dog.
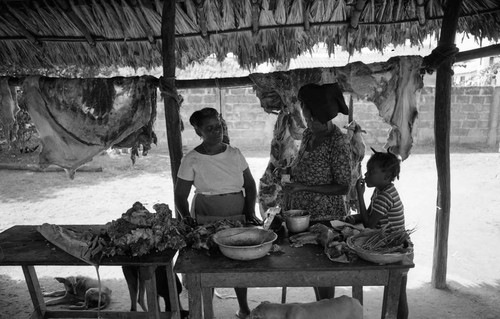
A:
(343, 307)
(136, 287)
(81, 293)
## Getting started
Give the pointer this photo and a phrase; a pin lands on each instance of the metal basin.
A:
(297, 220)
(244, 243)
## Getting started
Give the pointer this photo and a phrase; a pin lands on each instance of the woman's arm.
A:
(181, 194)
(250, 196)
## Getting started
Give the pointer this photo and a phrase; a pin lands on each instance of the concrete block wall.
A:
(249, 126)
(474, 115)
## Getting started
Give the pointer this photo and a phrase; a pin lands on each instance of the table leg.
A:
(357, 293)
(194, 295)
(173, 293)
(148, 273)
(391, 295)
(35, 291)
(208, 307)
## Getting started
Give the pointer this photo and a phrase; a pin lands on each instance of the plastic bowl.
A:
(297, 220)
(244, 243)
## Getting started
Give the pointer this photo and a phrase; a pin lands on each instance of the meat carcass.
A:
(392, 86)
(8, 110)
(357, 145)
(287, 135)
(79, 118)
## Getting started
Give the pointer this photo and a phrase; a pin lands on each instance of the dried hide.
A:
(390, 85)
(355, 140)
(8, 110)
(287, 135)
(79, 118)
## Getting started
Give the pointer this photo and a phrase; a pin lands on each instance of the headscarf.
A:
(324, 101)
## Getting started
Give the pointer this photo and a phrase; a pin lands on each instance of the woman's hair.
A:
(199, 116)
(389, 163)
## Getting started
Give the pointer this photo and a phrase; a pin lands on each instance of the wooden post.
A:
(172, 114)
(442, 115)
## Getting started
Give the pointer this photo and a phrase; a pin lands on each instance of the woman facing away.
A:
(321, 171)
(224, 185)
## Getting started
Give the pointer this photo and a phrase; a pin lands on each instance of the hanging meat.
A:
(357, 144)
(8, 111)
(284, 147)
(79, 118)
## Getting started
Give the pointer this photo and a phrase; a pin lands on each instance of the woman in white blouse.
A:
(224, 185)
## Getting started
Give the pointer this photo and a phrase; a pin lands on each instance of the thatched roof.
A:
(55, 34)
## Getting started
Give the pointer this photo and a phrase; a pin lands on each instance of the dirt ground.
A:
(473, 274)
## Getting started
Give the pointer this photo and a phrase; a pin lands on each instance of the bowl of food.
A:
(366, 247)
(244, 243)
(297, 220)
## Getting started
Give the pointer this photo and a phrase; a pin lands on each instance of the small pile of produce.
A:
(384, 241)
(139, 232)
(382, 245)
(136, 233)
(201, 236)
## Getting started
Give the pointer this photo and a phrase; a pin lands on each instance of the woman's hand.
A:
(253, 220)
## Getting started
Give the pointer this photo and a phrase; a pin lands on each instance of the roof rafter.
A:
(77, 21)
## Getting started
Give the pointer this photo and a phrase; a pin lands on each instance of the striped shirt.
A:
(387, 203)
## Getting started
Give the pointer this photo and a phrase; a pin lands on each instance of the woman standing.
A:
(321, 172)
(224, 185)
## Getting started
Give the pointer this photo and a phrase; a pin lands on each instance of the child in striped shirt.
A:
(385, 207)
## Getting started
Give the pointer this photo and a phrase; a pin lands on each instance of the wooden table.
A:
(306, 266)
(24, 246)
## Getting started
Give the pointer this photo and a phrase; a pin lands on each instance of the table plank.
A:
(24, 245)
(309, 257)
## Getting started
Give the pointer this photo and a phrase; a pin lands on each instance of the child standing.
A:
(385, 206)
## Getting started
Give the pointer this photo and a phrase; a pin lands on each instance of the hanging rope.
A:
(439, 55)
(225, 133)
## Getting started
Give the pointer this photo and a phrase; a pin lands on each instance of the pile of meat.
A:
(332, 240)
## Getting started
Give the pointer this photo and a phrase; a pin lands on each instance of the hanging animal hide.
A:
(79, 118)
(390, 85)
(355, 140)
(8, 110)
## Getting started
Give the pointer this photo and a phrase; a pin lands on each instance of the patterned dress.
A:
(328, 163)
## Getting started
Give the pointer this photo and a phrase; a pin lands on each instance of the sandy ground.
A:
(473, 273)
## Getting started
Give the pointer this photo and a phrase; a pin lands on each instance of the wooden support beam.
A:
(478, 53)
(356, 14)
(421, 12)
(305, 14)
(256, 4)
(172, 114)
(77, 21)
(442, 116)
(202, 19)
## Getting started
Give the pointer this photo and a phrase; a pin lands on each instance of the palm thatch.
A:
(55, 34)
